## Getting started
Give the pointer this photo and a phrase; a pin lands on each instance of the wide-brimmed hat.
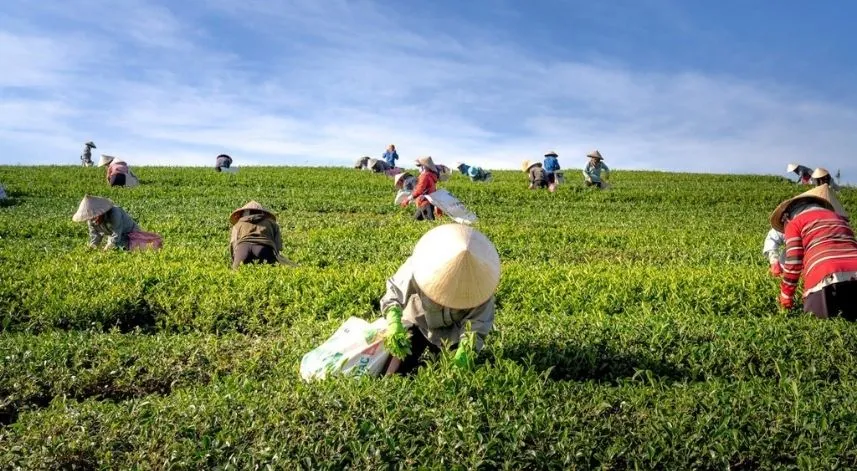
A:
(105, 160)
(427, 161)
(791, 167)
(820, 172)
(525, 165)
(456, 266)
(820, 194)
(361, 161)
(551, 153)
(251, 206)
(91, 207)
(398, 178)
(90, 144)
(595, 155)
(533, 164)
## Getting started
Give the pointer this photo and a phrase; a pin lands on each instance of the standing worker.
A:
(536, 174)
(822, 177)
(426, 185)
(592, 173)
(821, 248)
(804, 174)
(255, 236)
(222, 161)
(86, 156)
(551, 166)
(118, 172)
(442, 296)
(391, 156)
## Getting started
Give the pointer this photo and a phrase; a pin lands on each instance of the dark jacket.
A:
(257, 229)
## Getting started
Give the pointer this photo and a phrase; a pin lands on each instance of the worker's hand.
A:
(776, 268)
(405, 203)
(787, 302)
(396, 339)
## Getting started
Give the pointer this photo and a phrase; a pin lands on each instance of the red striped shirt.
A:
(426, 185)
(819, 243)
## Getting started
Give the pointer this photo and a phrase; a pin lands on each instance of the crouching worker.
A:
(222, 161)
(536, 174)
(822, 177)
(476, 174)
(821, 248)
(107, 220)
(256, 236)
(592, 173)
(426, 185)
(442, 296)
(405, 182)
(804, 174)
(551, 166)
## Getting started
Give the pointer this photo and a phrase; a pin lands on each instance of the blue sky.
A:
(726, 86)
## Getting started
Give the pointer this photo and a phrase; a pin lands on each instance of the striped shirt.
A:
(819, 245)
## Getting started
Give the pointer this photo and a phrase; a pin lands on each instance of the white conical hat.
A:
(534, 163)
(820, 194)
(791, 168)
(456, 266)
(428, 162)
(595, 155)
(525, 165)
(105, 160)
(398, 178)
(820, 172)
(90, 207)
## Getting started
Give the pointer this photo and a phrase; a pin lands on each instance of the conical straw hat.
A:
(91, 144)
(91, 207)
(820, 173)
(456, 266)
(252, 206)
(427, 162)
(551, 152)
(820, 194)
(525, 165)
(534, 164)
(398, 178)
(791, 168)
(595, 155)
(105, 160)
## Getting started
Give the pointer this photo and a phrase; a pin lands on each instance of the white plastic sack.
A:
(451, 207)
(356, 348)
(232, 169)
(401, 196)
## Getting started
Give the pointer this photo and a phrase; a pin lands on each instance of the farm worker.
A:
(118, 172)
(442, 294)
(773, 249)
(361, 163)
(592, 171)
(86, 156)
(256, 236)
(476, 174)
(391, 156)
(804, 174)
(105, 219)
(426, 185)
(537, 175)
(405, 181)
(820, 247)
(222, 161)
(822, 177)
(377, 166)
(551, 166)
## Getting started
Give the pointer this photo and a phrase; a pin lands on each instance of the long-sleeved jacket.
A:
(464, 169)
(257, 229)
(86, 156)
(391, 157)
(437, 323)
(116, 225)
(426, 185)
(223, 161)
(538, 175)
(593, 172)
(551, 164)
(773, 246)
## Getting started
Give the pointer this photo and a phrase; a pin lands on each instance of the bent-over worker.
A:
(104, 219)
(537, 176)
(592, 173)
(476, 174)
(551, 166)
(222, 161)
(255, 236)
(118, 172)
(405, 182)
(804, 174)
(821, 248)
(822, 177)
(442, 296)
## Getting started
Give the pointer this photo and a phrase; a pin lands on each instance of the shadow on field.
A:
(590, 363)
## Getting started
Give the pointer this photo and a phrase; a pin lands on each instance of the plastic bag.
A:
(401, 196)
(453, 208)
(355, 349)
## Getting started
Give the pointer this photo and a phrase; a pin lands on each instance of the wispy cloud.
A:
(300, 81)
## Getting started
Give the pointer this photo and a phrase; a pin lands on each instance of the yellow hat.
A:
(91, 207)
(456, 266)
(251, 206)
(820, 194)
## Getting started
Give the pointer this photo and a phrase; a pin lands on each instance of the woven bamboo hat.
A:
(105, 160)
(251, 206)
(820, 194)
(820, 173)
(91, 207)
(595, 155)
(427, 162)
(397, 180)
(456, 266)
(533, 164)
(791, 167)
(90, 144)
(525, 165)
(551, 153)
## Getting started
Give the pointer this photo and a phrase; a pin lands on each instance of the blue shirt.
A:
(593, 172)
(390, 157)
(551, 164)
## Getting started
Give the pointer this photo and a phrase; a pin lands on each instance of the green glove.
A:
(396, 340)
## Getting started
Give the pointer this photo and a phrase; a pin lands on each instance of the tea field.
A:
(636, 328)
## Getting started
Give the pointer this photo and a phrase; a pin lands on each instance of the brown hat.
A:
(595, 155)
(820, 173)
(91, 207)
(427, 162)
(820, 194)
(456, 266)
(251, 206)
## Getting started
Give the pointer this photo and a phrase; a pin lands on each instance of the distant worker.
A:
(377, 166)
(255, 237)
(405, 181)
(362, 163)
(442, 297)
(476, 174)
(105, 219)
(822, 177)
(444, 173)
(774, 250)
(821, 248)
(804, 174)
(592, 173)
(118, 172)
(223, 161)
(86, 156)
(426, 185)
(391, 156)
(551, 166)
(536, 174)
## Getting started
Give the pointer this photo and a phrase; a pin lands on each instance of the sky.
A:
(682, 85)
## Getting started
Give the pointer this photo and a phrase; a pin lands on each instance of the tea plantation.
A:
(636, 328)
